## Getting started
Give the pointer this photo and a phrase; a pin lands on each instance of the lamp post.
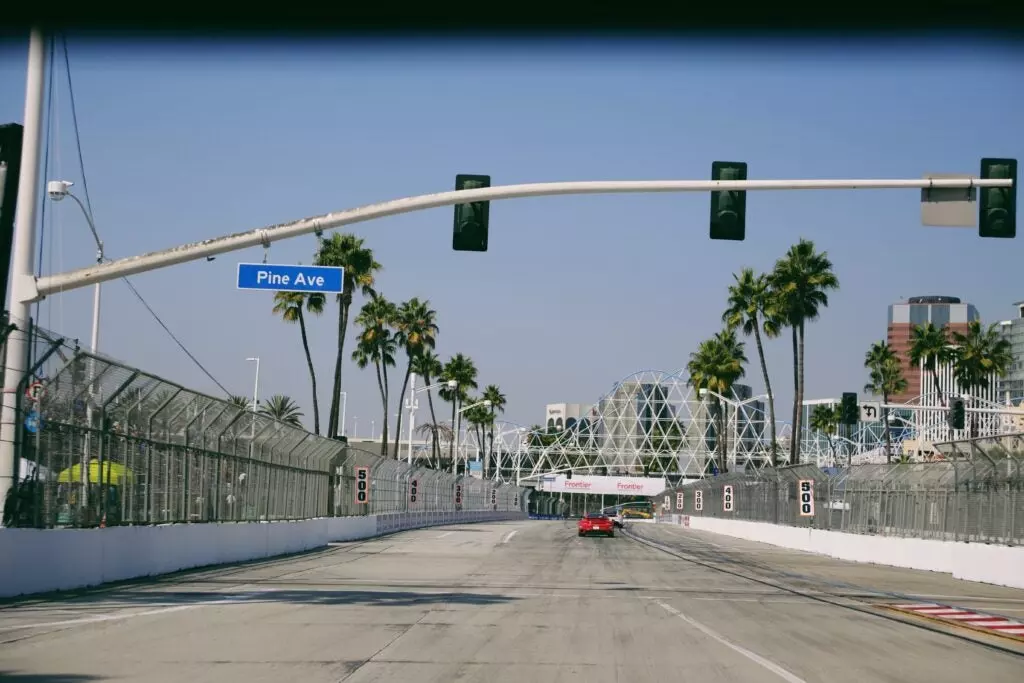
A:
(255, 396)
(412, 404)
(485, 403)
(58, 190)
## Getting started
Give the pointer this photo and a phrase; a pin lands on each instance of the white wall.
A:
(41, 560)
(995, 564)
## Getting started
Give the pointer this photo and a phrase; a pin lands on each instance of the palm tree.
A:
(377, 345)
(427, 366)
(825, 419)
(415, 326)
(290, 306)
(346, 251)
(801, 281)
(437, 432)
(282, 408)
(980, 354)
(240, 402)
(716, 365)
(461, 369)
(930, 345)
(750, 308)
(492, 393)
(886, 379)
(478, 416)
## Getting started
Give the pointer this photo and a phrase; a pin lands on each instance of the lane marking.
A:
(784, 674)
(509, 535)
(447, 533)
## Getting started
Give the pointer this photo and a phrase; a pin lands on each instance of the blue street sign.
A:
(282, 278)
(32, 421)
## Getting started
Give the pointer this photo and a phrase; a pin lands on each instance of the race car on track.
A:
(595, 523)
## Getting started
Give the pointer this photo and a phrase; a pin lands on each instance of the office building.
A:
(941, 311)
(1011, 387)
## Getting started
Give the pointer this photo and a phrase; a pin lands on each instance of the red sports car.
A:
(596, 523)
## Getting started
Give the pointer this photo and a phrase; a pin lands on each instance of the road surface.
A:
(517, 602)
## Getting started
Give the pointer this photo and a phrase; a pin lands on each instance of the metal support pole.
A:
(23, 261)
(261, 236)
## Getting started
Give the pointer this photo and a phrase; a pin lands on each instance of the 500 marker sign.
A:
(727, 499)
(362, 485)
(806, 489)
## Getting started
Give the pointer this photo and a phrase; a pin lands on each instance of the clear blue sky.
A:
(184, 142)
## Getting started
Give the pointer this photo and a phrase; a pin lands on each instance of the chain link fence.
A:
(101, 443)
(974, 493)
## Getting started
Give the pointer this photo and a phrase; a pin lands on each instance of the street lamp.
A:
(58, 190)
(255, 395)
(411, 404)
(486, 404)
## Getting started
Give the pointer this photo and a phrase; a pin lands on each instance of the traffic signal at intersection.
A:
(997, 208)
(472, 219)
(728, 207)
(849, 412)
(957, 416)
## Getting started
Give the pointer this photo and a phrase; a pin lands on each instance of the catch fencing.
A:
(975, 493)
(102, 444)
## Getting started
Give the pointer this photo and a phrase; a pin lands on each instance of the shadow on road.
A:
(111, 600)
(15, 677)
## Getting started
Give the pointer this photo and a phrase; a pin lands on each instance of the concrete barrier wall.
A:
(42, 560)
(995, 564)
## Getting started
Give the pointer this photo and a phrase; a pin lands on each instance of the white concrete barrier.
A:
(996, 564)
(43, 560)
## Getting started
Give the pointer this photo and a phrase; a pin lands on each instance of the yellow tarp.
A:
(113, 474)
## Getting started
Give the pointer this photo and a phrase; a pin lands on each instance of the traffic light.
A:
(849, 413)
(957, 416)
(10, 156)
(728, 207)
(997, 210)
(471, 220)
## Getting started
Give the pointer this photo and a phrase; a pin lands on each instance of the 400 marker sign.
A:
(362, 485)
(728, 502)
(805, 487)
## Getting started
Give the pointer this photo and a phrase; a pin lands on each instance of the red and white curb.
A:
(965, 617)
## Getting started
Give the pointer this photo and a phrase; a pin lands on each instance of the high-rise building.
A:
(941, 311)
(1012, 385)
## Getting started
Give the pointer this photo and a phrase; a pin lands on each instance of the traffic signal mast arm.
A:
(39, 288)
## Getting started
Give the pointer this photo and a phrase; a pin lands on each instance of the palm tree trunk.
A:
(938, 387)
(384, 400)
(794, 438)
(386, 393)
(312, 373)
(435, 447)
(401, 397)
(332, 422)
(768, 387)
(723, 465)
(800, 396)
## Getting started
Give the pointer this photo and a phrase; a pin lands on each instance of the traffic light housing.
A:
(997, 209)
(957, 417)
(849, 412)
(728, 207)
(471, 220)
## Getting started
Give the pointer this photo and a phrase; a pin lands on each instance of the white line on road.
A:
(508, 536)
(447, 533)
(752, 656)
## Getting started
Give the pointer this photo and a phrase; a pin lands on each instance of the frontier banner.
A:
(615, 486)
